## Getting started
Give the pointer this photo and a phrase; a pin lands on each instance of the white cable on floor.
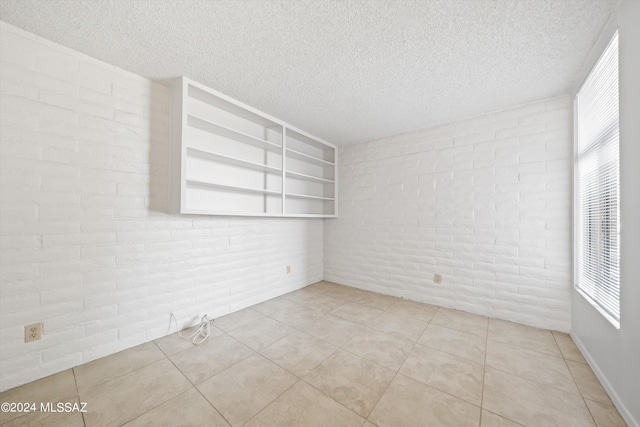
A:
(204, 329)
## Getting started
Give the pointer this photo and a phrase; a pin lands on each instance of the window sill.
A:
(611, 319)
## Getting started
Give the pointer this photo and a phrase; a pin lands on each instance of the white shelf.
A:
(226, 132)
(307, 196)
(230, 159)
(307, 158)
(223, 213)
(308, 177)
(198, 183)
(209, 97)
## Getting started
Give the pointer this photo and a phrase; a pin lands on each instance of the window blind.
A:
(597, 167)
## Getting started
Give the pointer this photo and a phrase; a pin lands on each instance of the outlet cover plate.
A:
(33, 332)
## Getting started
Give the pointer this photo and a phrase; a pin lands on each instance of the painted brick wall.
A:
(486, 202)
(87, 246)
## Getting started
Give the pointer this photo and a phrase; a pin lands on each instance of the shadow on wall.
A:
(159, 138)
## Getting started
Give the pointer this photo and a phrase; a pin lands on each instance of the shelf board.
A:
(215, 128)
(311, 215)
(307, 158)
(198, 183)
(196, 152)
(307, 196)
(203, 94)
(300, 137)
(308, 177)
(254, 214)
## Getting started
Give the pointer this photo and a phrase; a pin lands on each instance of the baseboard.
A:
(622, 409)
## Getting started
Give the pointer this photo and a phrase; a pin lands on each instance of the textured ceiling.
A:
(346, 71)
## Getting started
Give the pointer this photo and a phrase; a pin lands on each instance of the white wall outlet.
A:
(288, 269)
(33, 332)
(437, 278)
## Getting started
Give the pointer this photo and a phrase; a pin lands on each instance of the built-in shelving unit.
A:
(230, 159)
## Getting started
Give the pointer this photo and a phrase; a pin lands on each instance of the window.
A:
(597, 186)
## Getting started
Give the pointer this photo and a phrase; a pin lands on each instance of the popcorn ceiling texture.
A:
(86, 244)
(347, 71)
(486, 202)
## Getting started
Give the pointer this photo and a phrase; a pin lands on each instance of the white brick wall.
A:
(486, 202)
(86, 244)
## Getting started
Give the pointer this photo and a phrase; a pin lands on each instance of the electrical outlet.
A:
(288, 269)
(437, 278)
(33, 332)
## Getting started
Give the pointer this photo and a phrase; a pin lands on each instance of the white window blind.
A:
(597, 173)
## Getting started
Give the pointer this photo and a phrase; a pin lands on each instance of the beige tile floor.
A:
(329, 355)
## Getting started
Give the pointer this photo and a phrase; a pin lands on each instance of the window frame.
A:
(577, 211)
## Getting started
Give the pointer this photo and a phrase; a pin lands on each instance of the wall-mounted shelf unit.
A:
(230, 159)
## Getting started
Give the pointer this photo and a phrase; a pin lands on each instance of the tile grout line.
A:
(399, 368)
(519, 376)
(529, 349)
(142, 367)
(437, 388)
(416, 343)
(484, 372)
(299, 379)
(117, 376)
(531, 380)
(276, 398)
(338, 348)
(536, 382)
(502, 416)
(366, 418)
(257, 353)
(339, 403)
(195, 387)
(584, 401)
(499, 369)
(377, 402)
(157, 406)
(396, 371)
(75, 380)
(449, 352)
(164, 356)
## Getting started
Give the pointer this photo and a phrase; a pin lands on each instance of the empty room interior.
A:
(320, 213)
